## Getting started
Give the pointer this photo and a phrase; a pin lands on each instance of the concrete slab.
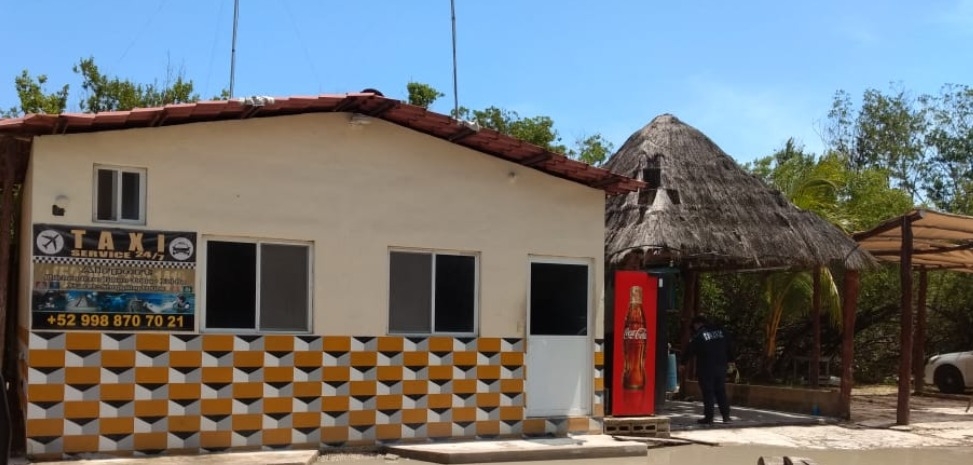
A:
(518, 450)
(288, 457)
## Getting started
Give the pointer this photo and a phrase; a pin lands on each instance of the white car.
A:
(951, 373)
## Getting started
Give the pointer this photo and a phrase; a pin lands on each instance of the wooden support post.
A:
(849, 306)
(905, 355)
(696, 289)
(689, 281)
(919, 347)
(814, 373)
(7, 167)
(688, 306)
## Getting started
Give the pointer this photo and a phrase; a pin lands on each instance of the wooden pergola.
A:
(849, 308)
(920, 240)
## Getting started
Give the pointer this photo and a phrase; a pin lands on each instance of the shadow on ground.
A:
(683, 415)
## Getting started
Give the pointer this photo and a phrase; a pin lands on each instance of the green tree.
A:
(813, 185)
(949, 166)
(887, 131)
(850, 199)
(537, 130)
(789, 294)
(106, 93)
(540, 131)
(593, 150)
(101, 92)
(34, 98)
(422, 95)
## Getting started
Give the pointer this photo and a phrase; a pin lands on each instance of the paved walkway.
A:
(683, 416)
(289, 457)
(574, 447)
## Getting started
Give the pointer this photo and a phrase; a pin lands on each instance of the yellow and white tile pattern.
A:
(149, 393)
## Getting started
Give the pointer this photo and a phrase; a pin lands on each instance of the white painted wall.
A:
(354, 191)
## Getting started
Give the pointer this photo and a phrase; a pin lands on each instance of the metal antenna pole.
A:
(452, 8)
(236, 19)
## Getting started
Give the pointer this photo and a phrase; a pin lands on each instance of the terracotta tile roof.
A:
(394, 111)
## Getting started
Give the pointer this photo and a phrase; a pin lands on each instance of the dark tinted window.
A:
(455, 293)
(106, 195)
(283, 287)
(131, 195)
(410, 292)
(231, 285)
(558, 299)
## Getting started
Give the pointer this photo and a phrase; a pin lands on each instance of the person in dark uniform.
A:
(712, 348)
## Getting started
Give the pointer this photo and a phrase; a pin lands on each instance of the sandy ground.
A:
(934, 422)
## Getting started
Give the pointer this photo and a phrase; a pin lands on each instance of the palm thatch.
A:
(703, 211)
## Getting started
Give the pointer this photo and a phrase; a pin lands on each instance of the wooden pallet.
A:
(654, 427)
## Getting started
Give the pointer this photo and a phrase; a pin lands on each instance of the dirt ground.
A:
(934, 422)
(876, 406)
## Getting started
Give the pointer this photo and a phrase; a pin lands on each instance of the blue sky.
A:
(749, 74)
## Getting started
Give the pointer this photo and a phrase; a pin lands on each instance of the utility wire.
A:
(142, 30)
(212, 53)
(300, 38)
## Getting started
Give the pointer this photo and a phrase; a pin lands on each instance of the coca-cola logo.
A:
(639, 334)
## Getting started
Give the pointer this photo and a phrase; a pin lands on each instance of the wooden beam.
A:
(849, 308)
(957, 248)
(919, 349)
(249, 112)
(815, 368)
(383, 107)
(537, 159)
(888, 225)
(605, 182)
(346, 104)
(60, 126)
(905, 355)
(160, 117)
(463, 133)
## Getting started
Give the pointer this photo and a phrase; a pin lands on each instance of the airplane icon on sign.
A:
(50, 242)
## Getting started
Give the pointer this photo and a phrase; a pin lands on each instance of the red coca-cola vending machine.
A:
(634, 344)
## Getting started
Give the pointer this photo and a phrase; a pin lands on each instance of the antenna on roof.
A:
(452, 9)
(236, 19)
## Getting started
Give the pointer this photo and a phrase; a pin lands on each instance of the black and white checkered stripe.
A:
(109, 262)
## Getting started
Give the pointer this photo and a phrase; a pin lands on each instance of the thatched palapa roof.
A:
(703, 211)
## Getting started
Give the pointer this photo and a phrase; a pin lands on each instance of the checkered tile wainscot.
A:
(149, 393)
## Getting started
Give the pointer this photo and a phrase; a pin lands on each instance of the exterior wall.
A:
(353, 192)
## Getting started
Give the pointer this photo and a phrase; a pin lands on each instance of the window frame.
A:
(117, 201)
(432, 310)
(203, 268)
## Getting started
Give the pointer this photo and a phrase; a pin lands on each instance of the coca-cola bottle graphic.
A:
(634, 342)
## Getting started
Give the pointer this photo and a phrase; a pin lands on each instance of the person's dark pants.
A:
(713, 387)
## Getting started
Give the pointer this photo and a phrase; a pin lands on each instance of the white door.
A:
(559, 365)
